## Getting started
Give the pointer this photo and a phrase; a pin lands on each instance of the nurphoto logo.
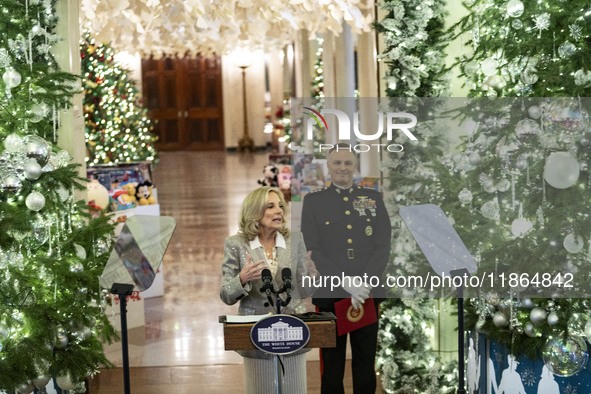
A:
(389, 123)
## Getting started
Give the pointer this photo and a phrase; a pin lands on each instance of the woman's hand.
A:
(251, 270)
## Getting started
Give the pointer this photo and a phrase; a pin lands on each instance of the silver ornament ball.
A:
(11, 78)
(37, 148)
(500, 320)
(538, 315)
(534, 112)
(13, 143)
(41, 381)
(11, 184)
(35, 201)
(552, 318)
(32, 170)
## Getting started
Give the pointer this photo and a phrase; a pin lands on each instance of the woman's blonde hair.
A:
(253, 209)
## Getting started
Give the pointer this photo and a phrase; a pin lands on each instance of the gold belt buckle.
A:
(350, 254)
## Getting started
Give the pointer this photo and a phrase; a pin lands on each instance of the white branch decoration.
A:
(203, 26)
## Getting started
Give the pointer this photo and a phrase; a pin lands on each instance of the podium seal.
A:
(280, 334)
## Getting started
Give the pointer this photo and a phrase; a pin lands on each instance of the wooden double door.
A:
(184, 98)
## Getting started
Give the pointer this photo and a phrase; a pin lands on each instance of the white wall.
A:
(255, 99)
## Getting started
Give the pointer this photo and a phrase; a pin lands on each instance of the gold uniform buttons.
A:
(347, 212)
(345, 198)
(349, 226)
(349, 241)
(327, 222)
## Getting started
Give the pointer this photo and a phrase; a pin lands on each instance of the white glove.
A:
(358, 293)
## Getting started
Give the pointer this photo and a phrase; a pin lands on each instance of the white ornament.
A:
(80, 252)
(521, 163)
(38, 112)
(561, 170)
(538, 315)
(41, 381)
(529, 77)
(572, 243)
(32, 170)
(63, 193)
(515, 8)
(491, 210)
(503, 185)
(65, 382)
(517, 24)
(35, 201)
(465, 196)
(552, 318)
(534, 112)
(11, 78)
(520, 227)
(495, 81)
(489, 66)
(500, 320)
(489, 186)
(530, 330)
(13, 143)
(527, 127)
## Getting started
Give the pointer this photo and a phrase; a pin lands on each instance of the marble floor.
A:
(181, 341)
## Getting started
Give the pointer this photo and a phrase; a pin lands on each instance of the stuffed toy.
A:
(144, 193)
(130, 189)
(270, 172)
(120, 200)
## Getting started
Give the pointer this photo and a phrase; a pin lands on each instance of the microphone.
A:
(286, 275)
(267, 279)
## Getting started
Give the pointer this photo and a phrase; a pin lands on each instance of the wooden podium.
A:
(322, 333)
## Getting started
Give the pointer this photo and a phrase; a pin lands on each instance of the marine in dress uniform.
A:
(348, 231)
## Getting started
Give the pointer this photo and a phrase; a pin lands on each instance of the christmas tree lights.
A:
(118, 129)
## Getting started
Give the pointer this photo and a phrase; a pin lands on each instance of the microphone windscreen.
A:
(266, 275)
(286, 273)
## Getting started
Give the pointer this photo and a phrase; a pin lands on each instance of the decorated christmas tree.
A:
(318, 77)
(118, 129)
(516, 186)
(52, 322)
(526, 172)
(415, 41)
(526, 48)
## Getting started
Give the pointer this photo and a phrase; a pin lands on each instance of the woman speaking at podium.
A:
(265, 242)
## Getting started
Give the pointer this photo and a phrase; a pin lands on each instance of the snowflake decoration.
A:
(576, 31)
(542, 21)
(570, 389)
(529, 378)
